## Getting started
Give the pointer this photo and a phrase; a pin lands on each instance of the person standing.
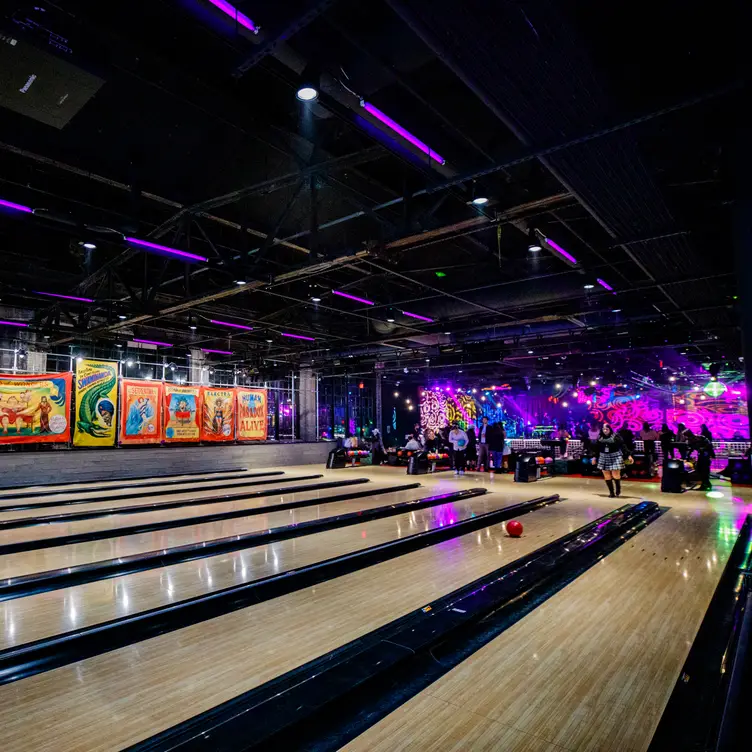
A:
(667, 440)
(471, 454)
(483, 448)
(458, 439)
(378, 453)
(496, 440)
(610, 458)
(563, 436)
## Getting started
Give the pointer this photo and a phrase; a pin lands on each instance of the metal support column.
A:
(379, 405)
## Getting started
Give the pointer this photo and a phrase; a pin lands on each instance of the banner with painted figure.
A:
(218, 414)
(35, 408)
(140, 412)
(182, 412)
(251, 414)
(96, 403)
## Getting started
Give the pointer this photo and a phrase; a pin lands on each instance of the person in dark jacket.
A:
(472, 446)
(611, 453)
(496, 438)
(667, 438)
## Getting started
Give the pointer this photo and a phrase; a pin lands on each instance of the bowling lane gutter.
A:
(107, 480)
(158, 506)
(50, 653)
(54, 579)
(148, 527)
(141, 482)
(707, 707)
(330, 700)
(119, 497)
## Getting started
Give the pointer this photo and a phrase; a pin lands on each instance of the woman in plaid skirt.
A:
(611, 452)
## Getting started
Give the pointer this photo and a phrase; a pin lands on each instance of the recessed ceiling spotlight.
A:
(307, 94)
(269, 340)
(88, 246)
(315, 300)
(480, 200)
(390, 321)
(616, 310)
(588, 287)
(529, 352)
(122, 317)
(533, 247)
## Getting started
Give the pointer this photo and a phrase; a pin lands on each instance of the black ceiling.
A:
(605, 127)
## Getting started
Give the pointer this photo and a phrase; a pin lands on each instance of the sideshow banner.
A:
(218, 422)
(35, 408)
(182, 409)
(251, 414)
(96, 403)
(140, 412)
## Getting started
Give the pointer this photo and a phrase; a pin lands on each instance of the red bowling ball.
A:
(514, 529)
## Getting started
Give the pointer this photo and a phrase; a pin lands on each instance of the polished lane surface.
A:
(118, 698)
(97, 497)
(593, 668)
(112, 522)
(46, 614)
(59, 557)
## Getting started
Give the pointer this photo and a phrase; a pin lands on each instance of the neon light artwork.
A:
(165, 250)
(235, 15)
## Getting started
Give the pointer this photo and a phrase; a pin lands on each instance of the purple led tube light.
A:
(235, 15)
(418, 316)
(353, 297)
(219, 352)
(297, 336)
(605, 285)
(229, 323)
(64, 297)
(397, 128)
(16, 207)
(153, 342)
(13, 323)
(568, 256)
(165, 250)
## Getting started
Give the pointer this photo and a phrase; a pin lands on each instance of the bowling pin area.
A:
(363, 609)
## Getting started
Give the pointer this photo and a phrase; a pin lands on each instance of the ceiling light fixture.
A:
(307, 94)
(297, 336)
(315, 300)
(390, 321)
(16, 207)
(63, 297)
(153, 342)
(417, 316)
(352, 297)
(604, 285)
(588, 286)
(235, 15)
(164, 250)
(398, 129)
(533, 247)
(561, 252)
(616, 310)
(218, 352)
(122, 316)
(480, 200)
(14, 323)
(230, 324)
(89, 246)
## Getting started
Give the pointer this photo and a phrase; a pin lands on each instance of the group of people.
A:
(483, 447)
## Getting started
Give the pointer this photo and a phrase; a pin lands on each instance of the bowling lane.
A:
(60, 557)
(47, 614)
(580, 669)
(168, 498)
(206, 488)
(89, 485)
(154, 684)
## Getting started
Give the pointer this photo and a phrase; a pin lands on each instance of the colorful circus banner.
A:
(140, 412)
(218, 414)
(252, 421)
(96, 403)
(35, 408)
(182, 412)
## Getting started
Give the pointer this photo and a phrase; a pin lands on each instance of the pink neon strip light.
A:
(164, 249)
(219, 352)
(235, 14)
(568, 256)
(418, 316)
(153, 342)
(12, 323)
(229, 323)
(16, 207)
(352, 297)
(64, 297)
(297, 336)
(397, 128)
(604, 284)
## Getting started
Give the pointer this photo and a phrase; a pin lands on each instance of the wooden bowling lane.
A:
(74, 502)
(101, 505)
(588, 671)
(46, 614)
(104, 484)
(75, 554)
(119, 698)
